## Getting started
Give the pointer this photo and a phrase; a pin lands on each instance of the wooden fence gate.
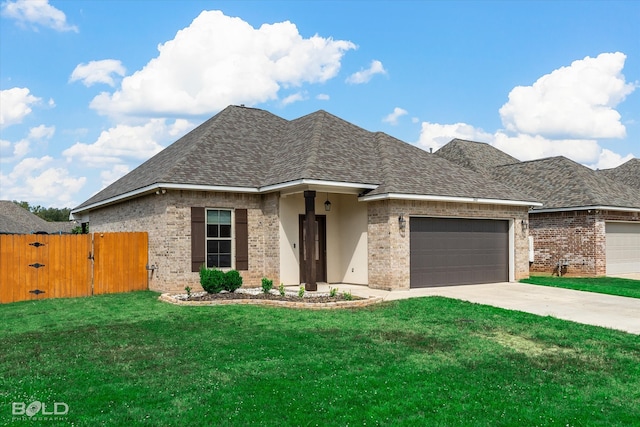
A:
(36, 266)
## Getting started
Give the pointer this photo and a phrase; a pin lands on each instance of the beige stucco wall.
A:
(389, 247)
(346, 238)
(167, 219)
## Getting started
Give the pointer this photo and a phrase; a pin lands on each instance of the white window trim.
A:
(232, 238)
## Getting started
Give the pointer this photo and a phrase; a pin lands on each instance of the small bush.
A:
(232, 280)
(212, 280)
(333, 292)
(347, 296)
(301, 291)
(188, 289)
(267, 285)
(281, 289)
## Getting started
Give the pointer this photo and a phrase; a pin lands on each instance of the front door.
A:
(321, 248)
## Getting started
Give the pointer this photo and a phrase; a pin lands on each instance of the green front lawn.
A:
(127, 359)
(603, 285)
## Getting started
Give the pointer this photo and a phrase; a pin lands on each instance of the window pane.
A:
(225, 217)
(225, 261)
(225, 231)
(212, 246)
(212, 230)
(225, 246)
(212, 261)
(213, 217)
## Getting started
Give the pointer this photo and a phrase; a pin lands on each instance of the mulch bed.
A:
(273, 297)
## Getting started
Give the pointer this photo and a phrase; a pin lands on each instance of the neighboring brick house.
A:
(588, 224)
(236, 192)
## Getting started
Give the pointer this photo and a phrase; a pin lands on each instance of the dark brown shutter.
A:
(197, 238)
(242, 240)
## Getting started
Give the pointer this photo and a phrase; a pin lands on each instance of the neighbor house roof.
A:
(476, 156)
(562, 183)
(251, 150)
(15, 219)
(627, 173)
(557, 182)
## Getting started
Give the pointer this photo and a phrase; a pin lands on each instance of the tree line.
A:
(48, 214)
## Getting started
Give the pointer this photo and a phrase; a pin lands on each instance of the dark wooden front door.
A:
(321, 248)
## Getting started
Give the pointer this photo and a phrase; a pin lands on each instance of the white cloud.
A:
(295, 97)
(576, 101)
(323, 97)
(363, 76)
(529, 147)
(16, 105)
(23, 147)
(42, 132)
(37, 12)
(564, 113)
(200, 71)
(608, 159)
(125, 142)
(32, 180)
(393, 117)
(434, 135)
(111, 175)
(98, 72)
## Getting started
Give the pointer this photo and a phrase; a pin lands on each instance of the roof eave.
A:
(158, 187)
(586, 208)
(453, 199)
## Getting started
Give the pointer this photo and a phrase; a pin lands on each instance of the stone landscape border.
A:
(364, 302)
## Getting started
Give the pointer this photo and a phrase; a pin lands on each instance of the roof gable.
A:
(476, 156)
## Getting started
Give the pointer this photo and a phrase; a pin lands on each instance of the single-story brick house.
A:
(236, 192)
(588, 225)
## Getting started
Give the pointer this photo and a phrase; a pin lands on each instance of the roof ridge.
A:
(314, 141)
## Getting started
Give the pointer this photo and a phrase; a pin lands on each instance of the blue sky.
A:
(91, 89)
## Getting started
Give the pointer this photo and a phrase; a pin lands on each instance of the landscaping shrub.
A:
(267, 285)
(232, 280)
(212, 280)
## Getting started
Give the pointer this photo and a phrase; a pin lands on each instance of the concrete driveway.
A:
(590, 308)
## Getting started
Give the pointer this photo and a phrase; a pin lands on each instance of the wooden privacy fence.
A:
(36, 266)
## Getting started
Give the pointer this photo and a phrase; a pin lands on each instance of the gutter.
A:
(434, 198)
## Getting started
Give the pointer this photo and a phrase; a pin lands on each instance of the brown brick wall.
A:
(389, 248)
(167, 219)
(578, 237)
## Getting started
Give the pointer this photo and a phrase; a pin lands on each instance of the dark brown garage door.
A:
(448, 251)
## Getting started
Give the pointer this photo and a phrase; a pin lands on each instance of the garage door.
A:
(447, 251)
(623, 247)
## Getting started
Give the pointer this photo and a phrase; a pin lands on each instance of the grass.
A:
(603, 285)
(127, 359)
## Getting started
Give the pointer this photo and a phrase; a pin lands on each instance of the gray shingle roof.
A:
(562, 183)
(557, 182)
(15, 219)
(248, 147)
(627, 173)
(476, 156)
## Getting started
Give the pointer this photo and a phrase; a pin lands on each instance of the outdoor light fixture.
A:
(327, 204)
(524, 224)
(402, 223)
